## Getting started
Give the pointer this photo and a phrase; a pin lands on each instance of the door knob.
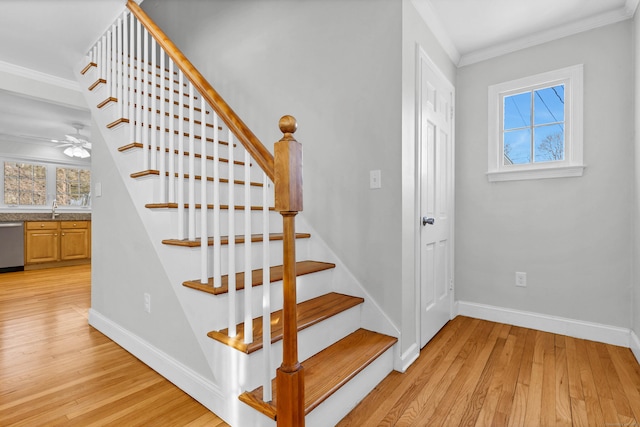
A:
(426, 220)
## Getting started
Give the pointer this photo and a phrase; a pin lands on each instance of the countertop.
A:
(44, 216)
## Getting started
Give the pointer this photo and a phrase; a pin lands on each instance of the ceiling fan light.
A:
(76, 152)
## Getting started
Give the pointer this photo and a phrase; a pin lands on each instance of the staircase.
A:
(205, 186)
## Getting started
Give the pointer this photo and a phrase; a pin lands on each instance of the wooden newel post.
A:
(288, 201)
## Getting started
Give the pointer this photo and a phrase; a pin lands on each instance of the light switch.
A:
(98, 189)
(375, 179)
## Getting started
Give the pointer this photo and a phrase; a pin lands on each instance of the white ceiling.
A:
(45, 39)
(474, 30)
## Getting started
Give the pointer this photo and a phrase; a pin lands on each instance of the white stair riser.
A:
(189, 258)
(310, 341)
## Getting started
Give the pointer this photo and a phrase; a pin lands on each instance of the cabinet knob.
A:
(74, 224)
(41, 225)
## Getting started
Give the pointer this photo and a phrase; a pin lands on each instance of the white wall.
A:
(125, 265)
(336, 66)
(572, 236)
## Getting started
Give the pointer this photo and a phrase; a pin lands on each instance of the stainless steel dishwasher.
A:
(11, 246)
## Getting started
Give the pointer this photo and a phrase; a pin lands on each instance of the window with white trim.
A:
(35, 185)
(535, 126)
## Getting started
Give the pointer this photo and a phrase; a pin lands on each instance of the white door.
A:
(436, 153)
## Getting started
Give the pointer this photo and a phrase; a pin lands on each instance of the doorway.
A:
(435, 182)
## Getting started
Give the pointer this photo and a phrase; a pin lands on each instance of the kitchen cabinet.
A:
(57, 241)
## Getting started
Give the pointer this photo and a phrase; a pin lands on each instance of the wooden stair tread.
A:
(199, 206)
(156, 172)
(309, 312)
(330, 369)
(225, 239)
(138, 145)
(302, 268)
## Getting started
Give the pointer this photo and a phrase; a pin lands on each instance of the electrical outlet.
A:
(147, 302)
(521, 279)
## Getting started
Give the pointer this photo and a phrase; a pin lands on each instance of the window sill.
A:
(525, 174)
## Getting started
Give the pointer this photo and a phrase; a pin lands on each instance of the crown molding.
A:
(39, 76)
(435, 25)
(618, 15)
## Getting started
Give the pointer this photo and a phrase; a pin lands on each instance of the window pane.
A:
(549, 105)
(549, 143)
(26, 198)
(11, 198)
(517, 111)
(517, 147)
(73, 186)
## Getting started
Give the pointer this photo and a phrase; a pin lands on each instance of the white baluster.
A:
(126, 105)
(138, 62)
(132, 82)
(108, 64)
(113, 62)
(147, 102)
(232, 245)
(192, 167)
(204, 238)
(103, 58)
(266, 291)
(217, 281)
(162, 133)
(172, 137)
(153, 152)
(248, 288)
(180, 182)
(120, 92)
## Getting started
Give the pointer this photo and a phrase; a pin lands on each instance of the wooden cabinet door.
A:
(41, 246)
(74, 240)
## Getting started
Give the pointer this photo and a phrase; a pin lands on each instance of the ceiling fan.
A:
(77, 144)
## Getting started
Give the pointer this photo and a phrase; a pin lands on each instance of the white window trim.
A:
(572, 165)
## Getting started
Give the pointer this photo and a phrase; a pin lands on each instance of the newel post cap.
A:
(288, 126)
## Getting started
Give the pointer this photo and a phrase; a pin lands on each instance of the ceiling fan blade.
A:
(87, 145)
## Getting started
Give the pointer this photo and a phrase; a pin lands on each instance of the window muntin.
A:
(73, 187)
(25, 184)
(535, 126)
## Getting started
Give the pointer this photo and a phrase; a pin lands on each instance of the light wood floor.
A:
(57, 370)
(478, 373)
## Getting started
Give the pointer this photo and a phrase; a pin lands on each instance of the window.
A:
(73, 187)
(535, 126)
(25, 184)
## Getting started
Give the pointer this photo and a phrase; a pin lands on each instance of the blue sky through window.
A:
(533, 126)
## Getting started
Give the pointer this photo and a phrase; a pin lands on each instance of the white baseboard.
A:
(635, 345)
(407, 358)
(201, 389)
(558, 325)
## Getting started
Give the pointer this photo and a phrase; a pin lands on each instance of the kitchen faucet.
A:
(54, 206)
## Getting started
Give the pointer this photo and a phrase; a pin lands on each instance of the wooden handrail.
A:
(251, 143)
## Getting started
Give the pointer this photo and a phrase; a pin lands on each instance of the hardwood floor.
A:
(55, 369)
(479, 373)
